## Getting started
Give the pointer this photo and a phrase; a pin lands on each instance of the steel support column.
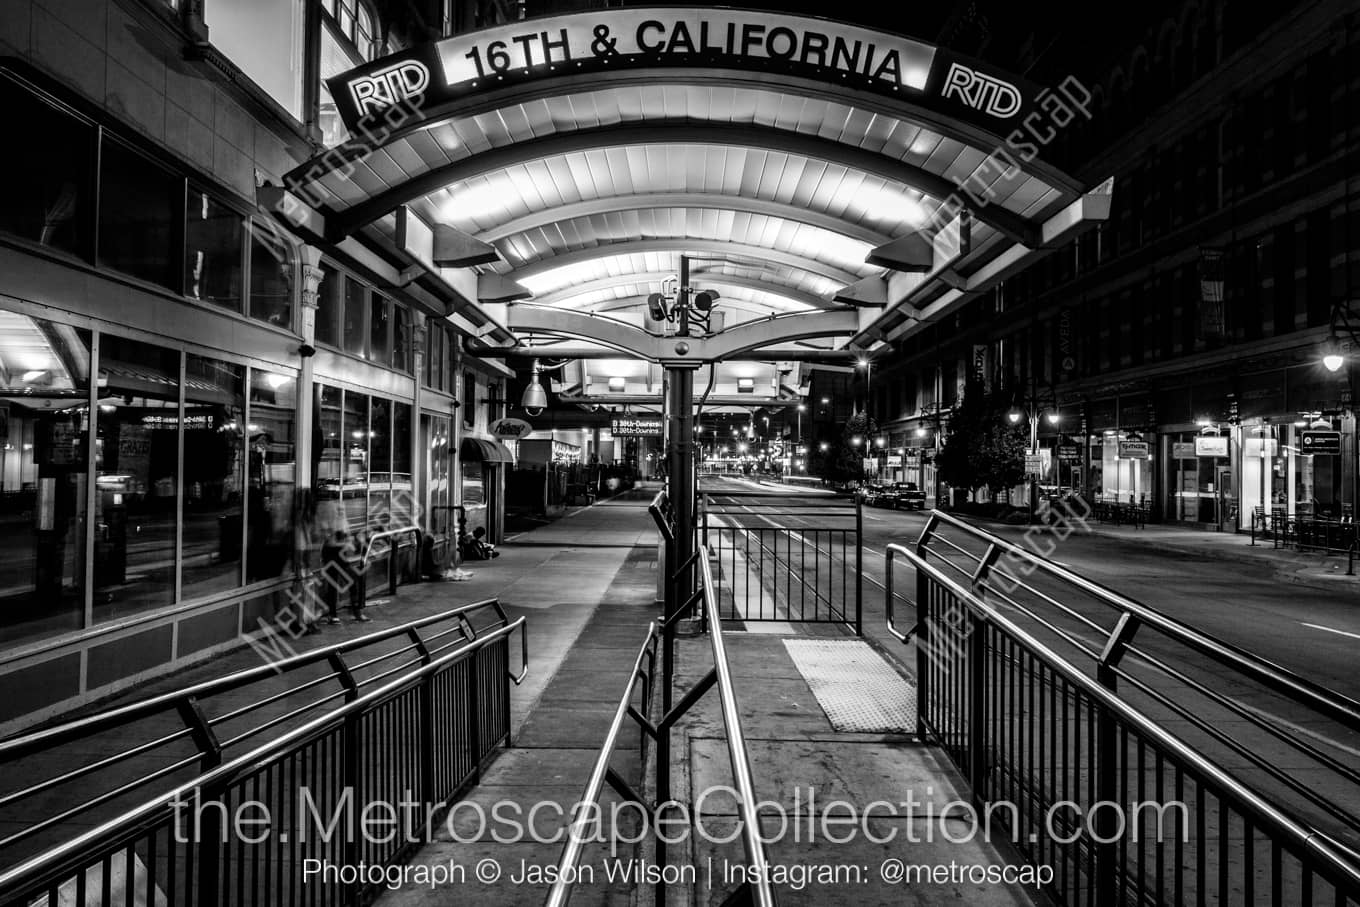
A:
(680, 413)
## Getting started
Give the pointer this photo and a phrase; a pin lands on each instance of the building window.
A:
(329, 301)
(354, 335)
(47, 173)
(271, 277)
(214, 246)
(265, 40)
(469, 400)
(380, 331)
(214, 474)
(137, 476)
(270, 475)
(401, 338)
(380, 465)
(44, 473)
(140, 207)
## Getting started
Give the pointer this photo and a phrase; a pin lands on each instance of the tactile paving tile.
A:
(857, 689)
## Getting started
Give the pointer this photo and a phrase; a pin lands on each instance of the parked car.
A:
(906, 496)
(871, 495)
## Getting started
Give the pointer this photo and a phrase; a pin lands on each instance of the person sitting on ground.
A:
(476, 548)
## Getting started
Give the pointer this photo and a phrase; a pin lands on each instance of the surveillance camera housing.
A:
(306, 350)
(656, 306)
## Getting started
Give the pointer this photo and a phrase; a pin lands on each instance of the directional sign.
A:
(1034, 463)
(635, 427)
(1320, 442)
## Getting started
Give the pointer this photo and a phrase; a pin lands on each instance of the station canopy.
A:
(836, 187)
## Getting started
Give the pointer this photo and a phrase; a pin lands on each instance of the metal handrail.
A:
(582, 829)
(416, 532)
(1304, 840)
(65, 858)
(27, 744)
(762, 894)
(1279, 679)
(185, 704)
(736, 749)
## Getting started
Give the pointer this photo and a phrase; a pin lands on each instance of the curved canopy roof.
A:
(809, 168)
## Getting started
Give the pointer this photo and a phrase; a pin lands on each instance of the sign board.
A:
(636, 427)
(1069, 453)
(1134, 450)
(1320, 442)
(1034, 463)
(510, 428)
(1253, 447)
(1211, 446)
(1182, 450)
(893, 460)
(414, 83)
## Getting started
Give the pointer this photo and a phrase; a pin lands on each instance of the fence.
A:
(416, 723)
(786, 556)
(1082, 761)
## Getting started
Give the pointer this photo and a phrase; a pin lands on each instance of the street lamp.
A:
(1054, 418)
(1015, 416)
(1332, 357)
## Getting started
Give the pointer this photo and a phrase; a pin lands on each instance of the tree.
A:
(843, 461)
(982, 448)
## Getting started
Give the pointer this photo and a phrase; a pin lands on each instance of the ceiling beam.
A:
(707, 247)
(676, 131)
(698, 277)
(703, 200)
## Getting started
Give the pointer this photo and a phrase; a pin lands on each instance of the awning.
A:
(485, 451)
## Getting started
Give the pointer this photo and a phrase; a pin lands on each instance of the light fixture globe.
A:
(1054, 418)
(1014, 415)
(1332, 358)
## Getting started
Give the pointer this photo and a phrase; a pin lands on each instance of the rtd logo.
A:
(986, 93)
(389, 86)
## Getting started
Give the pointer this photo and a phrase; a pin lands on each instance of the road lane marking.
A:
(1330, 630)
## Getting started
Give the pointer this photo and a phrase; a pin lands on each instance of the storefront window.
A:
(136, 460)
(1125, 478)
(328, 465)
(380, 465)
(271, 278)
(139, 215)
(46, 179)
(439, 454)
(356, 429)
(404, 510)
(329, 299)
(44, 449)
(271, 473)
(213, 247)
(474, 492)
(214, 469)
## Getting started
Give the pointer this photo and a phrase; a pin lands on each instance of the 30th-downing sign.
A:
(635, 427)
(618, 39)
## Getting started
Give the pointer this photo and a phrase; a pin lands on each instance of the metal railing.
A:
(1031, 730)
(391, 549)
(787, 557)
(755, 888)
(96, 767)
(420, 737)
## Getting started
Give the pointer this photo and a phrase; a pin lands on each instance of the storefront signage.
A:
(1182, 450)
(1069, 453)
(1320, 442)
(893, 460)
(1134, 450)
(413, 82)
(510, 428)
(1211, 446)
(636, 427)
